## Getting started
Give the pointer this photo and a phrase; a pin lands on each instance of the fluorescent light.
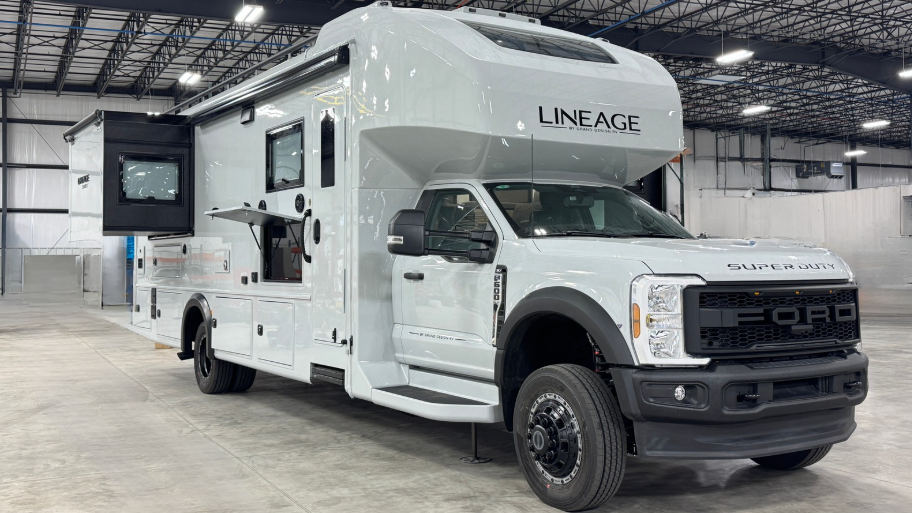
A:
(189, 78)
(875, 124)
(906, 73)
(719, 79)
(249, 14)
(854, 153)
(755, 109)
(737, 55)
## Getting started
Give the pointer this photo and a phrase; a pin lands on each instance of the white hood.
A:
(715, 260)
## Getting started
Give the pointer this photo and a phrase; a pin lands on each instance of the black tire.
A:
(570, 407)
(794, 460)
(213, 376)
(243, 378)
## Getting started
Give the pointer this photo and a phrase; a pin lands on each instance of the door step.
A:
(436, 405)
(327, 374)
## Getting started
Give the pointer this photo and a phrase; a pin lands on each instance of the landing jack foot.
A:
(474, 459)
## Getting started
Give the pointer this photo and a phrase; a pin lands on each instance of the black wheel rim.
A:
(553, 437)
(205, 364)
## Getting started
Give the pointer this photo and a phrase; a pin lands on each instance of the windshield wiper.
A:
(654, 235)
(572, 233)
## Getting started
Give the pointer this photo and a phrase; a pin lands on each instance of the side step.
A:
(435, 405)
(327, 374)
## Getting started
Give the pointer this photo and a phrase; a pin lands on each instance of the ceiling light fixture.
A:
(736, 56)
(249, 14)
(189, 78)
(906, 73)
(755, 109)
(855, 153)
(880, 123)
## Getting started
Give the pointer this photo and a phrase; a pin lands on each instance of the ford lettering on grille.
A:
(729, 320)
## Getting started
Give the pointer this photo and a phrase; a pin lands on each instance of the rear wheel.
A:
(569, 437)
(794, 460)
(243, 378)
(213, 376)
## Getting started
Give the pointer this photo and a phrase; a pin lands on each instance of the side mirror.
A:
(406, 233)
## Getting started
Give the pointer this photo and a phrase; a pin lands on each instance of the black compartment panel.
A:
(138, 135)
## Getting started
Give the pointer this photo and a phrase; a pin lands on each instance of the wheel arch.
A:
(562, 302)
(196, 311)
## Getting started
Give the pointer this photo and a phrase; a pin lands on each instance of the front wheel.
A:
(794, 460)
(569, 437)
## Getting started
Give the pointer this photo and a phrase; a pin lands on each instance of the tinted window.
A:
(544, 45)
(285, 157)
(558, 209)
(328, 148)
(454, 210)
(150, 179)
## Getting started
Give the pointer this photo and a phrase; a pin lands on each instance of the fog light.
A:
(680, 393)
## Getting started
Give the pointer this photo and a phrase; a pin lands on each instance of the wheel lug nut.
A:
(551, 443)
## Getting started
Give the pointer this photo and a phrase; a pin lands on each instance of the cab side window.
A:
(457, 211)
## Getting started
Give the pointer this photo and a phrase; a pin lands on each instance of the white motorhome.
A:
(426, 208)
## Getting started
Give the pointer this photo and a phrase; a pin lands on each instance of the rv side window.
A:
(285, 157)
(328, 148)
(150, 179)
(541, 44)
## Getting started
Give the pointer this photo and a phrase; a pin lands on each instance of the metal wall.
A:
(37, 160)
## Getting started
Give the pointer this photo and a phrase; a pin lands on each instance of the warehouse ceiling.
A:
(824, 67)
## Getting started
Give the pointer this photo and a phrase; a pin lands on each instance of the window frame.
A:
(273, 134)
(122, 198)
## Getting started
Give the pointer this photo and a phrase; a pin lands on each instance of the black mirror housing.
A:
(406, 233)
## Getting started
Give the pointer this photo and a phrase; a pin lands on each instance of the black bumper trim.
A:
(720, 379)
(801, 407)
(766, 437)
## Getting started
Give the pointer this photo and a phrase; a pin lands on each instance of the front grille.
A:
(747, 299)
(748, 336)
(727, 320)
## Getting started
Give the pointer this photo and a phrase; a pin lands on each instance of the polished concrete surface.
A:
(92, 418)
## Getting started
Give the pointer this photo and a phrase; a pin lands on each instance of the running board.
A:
(435, 405)
(327, 374)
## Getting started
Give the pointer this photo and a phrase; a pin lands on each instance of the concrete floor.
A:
(92, 418)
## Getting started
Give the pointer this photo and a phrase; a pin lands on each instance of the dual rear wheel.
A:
(218, 376)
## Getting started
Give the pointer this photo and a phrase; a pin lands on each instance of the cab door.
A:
(447, 303)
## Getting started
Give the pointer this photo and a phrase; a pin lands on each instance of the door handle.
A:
(413, 276)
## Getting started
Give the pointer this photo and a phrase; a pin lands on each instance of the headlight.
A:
(657, 315)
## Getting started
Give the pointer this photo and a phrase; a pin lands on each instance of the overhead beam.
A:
(262, 51)
(23, 30)
(288, 12)
(132, 29)
(74, 34)
(232, 36)
(82, 88)
(873, 68)
(169, 49)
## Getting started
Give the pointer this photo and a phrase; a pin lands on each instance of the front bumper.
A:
(743, 410)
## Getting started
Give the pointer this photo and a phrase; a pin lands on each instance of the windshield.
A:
(581, 210)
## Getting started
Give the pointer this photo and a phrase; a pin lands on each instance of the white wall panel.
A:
(74, 107)
(37, 144)
(38, 188)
